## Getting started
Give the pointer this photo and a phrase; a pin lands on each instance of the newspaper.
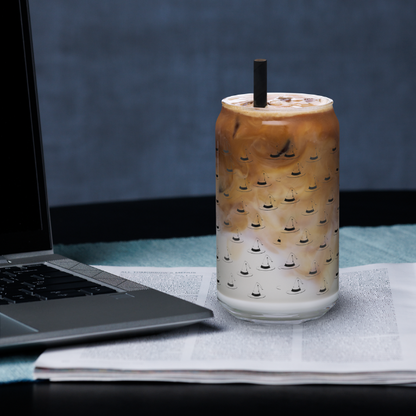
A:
(369, 337)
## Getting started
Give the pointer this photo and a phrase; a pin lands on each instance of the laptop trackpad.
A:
(10, 327)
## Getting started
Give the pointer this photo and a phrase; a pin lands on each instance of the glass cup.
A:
(277, 195)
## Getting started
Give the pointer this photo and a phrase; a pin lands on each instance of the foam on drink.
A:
(289, 103)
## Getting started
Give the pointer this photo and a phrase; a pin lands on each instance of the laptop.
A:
(47, 299)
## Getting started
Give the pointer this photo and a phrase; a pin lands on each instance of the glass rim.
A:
(243, 103)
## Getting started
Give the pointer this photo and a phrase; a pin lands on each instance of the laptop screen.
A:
(25, 222)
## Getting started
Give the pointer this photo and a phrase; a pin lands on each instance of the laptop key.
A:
(59, 294)
(66, 286)
(97, 290)
(20, 298)
(53, 280)
(12, 291)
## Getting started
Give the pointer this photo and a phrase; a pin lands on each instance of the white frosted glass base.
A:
(278, 313)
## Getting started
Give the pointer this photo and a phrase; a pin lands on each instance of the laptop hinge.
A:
(3, 260)
(8, 258)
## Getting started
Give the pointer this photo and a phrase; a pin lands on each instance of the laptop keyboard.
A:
(40, 282)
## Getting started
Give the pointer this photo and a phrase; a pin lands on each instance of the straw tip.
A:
(260, 83)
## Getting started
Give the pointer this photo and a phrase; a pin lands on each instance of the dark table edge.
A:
(195, 216)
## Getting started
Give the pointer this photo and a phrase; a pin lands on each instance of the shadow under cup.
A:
(277, 195)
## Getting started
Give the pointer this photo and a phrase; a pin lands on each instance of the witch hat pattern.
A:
(311, 209)
(305, 239)
(277, 208)
(313, 185)
(244, 186)
(290, 153)
(256, 248)
(291, 226)
(297, 288)
(246, 157)
(267, 264)
(314, 156)
(245, 270)
(263, 181)
(330, 258)
(227, 257)
(242, 209)
(314, 270)
(257, 292)
(257, 223)
(237, 238)
(269, 205)
(231, 283)
(291, 197)
(291, 262)
(323, 288)
(297, 172)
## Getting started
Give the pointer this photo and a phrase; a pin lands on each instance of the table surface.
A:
(132, 220)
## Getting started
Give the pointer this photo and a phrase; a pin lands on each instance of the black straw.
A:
(260, 83)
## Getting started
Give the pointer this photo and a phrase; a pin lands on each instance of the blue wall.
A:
(130, 90)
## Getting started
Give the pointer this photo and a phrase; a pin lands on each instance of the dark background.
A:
(130, 90)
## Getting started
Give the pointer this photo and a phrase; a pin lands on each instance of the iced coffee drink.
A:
(277, 195)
